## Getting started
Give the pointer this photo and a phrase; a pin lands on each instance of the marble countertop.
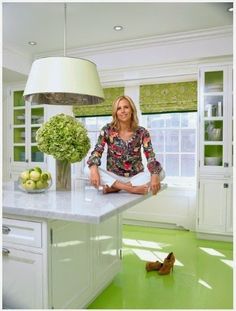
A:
(83, 203)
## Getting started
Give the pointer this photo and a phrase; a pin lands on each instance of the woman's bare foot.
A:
(107, 189)
(142, 189)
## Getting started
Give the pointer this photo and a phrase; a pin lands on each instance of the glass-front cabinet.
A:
(26, 120)
(215, 175)
(215, 118)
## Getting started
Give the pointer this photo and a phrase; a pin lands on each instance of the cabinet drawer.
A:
(22, 232)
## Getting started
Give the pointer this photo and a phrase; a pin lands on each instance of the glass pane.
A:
(19, 117)
(36, 115)
(18, 98)
(19, 135)
(189, 119)
(101, 121)
(172, 165)
(172, 140)
(188, 140)
(19, 153)
(214, 81)
(213, 106)
(213, 130)
(156, 121)
(213, 155)
(33, 134)
(36, 155)
(172, 119)
(90, 123)
(188, 165)
(158, 140)
(160, 158)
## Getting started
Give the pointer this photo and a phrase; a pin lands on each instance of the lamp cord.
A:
(64, 29)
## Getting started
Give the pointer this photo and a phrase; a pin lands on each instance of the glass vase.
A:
(63, 175)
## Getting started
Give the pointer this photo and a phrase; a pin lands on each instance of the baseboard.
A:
(214, 237)
(144, 223)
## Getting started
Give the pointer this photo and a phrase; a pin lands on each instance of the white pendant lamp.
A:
(63, 80)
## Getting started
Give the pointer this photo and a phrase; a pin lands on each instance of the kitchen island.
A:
(60, 248)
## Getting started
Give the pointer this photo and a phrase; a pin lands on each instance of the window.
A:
(174, 142)
(173, 138)
(94, 125)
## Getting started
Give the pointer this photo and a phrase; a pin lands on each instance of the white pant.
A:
(108, 178)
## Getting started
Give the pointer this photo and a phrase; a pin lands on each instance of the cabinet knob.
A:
(5, 229)
(5, 251)
(226, 185)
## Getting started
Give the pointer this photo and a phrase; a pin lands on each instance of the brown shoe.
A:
(150, 266)
(168, 264)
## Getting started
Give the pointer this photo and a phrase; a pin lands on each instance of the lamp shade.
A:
(63, 81)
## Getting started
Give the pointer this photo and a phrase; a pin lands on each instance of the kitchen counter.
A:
(67, 243)
(83, 203)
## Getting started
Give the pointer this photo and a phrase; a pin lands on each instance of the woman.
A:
(124, 138)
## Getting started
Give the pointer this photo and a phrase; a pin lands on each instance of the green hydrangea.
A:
(63, 137)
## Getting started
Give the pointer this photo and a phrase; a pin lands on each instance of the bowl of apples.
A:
(34, 180)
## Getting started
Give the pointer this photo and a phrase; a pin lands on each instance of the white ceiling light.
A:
(32, 43)
(63, 80)
(118, 28)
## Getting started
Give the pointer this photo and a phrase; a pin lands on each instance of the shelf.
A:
(213, 118)
(213, 143)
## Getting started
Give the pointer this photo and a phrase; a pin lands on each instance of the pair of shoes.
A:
(168, 264)
(162, 268)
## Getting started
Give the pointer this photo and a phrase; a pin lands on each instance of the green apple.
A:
(29, 185)
(45, 176)
(34, 175)
(38, 169)
(25, 175)
(41, 184)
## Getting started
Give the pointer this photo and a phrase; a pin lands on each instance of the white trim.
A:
(159, 40)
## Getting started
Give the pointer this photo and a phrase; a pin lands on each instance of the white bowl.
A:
(216, 161)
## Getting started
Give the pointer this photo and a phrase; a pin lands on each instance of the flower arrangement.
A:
(63, 137)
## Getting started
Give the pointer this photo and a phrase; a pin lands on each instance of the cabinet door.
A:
(212, 205)
(70, 265)
(22, 279)
(107, 245)
(25, 121)
(215, 104)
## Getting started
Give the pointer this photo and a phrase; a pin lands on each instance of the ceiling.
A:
(91, 24)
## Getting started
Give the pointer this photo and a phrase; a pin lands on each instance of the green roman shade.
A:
(168, 97)
(103, 109)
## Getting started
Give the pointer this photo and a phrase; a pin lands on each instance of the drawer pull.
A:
(5, 251)
(5, 229)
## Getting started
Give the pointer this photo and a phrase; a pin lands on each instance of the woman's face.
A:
(124, 111)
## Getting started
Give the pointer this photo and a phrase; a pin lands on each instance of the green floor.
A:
(202, 277)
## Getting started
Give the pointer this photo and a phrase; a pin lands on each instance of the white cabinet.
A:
(24, 120)
(58, 264)
(213, 203)
(106, 250)
(215, 150)
(22, 259)
(22, 279)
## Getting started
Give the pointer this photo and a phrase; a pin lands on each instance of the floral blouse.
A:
(124, 157)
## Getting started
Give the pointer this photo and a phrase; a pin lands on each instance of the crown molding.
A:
(160, 40)
(160, 73)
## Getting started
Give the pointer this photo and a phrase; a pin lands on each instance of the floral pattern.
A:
(124, 157)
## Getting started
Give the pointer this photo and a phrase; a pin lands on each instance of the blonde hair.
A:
(134, 118)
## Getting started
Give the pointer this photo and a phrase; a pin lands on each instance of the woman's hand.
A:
(94, 176)
(155, 184)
